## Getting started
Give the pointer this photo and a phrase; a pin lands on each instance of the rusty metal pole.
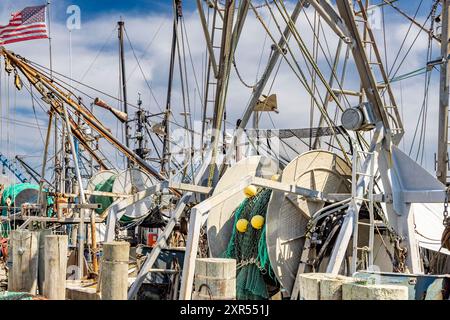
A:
(121, 25)
(442, 154)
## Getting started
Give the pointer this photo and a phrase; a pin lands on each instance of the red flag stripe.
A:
(14, 29)
(23, 39)
(37, 31)
(26, 36)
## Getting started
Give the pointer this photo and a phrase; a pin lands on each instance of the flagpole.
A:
(50, 37)
(70, 60)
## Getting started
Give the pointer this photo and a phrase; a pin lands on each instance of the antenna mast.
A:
(442, 155)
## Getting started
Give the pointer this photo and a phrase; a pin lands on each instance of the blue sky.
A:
(146, 19)
(94, 8)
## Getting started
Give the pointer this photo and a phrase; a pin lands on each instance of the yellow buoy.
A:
(275, 177)
(242, 225)
(250, 191)
(257, 221)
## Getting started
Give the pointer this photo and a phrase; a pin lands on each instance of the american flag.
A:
(28, 24)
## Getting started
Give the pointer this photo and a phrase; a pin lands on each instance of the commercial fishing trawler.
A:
(209, 195)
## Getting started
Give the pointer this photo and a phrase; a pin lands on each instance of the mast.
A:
(141, 119)
(166, 143)
(442, 154)
(226, 56)
(121, 25)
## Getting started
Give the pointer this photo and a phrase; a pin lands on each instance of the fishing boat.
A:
(209, 196)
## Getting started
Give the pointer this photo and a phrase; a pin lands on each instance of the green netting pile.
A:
(250, 250)
(7, 295)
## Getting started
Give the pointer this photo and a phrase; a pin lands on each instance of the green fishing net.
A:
(250, 250)
(7, 295)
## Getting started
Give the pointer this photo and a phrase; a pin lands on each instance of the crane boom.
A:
(11, 167)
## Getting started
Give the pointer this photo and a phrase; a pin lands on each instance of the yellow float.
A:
(257, 222)
(242, 225)
(250, 191)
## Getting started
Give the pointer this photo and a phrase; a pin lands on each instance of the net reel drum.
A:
(288, 214)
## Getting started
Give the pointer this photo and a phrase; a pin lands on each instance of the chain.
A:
(400, 252)
(249, 261)
(446, 234)
(392, 233)
(446, 221)
(400, 257)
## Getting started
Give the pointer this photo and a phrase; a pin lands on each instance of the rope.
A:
(142, 71)
(98, 54)
(422, 118)
(241, 79)
(302, 77)
(42, 69)
(414, 41)
(35, 116)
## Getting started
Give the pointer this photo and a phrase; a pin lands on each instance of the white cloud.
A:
(294, 102)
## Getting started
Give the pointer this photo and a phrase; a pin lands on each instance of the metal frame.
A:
(199, 214)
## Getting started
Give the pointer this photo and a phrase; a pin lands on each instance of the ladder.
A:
(358, 157)
(372, 52)
(212, 73)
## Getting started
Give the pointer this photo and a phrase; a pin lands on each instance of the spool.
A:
(98, 182)
(132, 181)
(59, 202)
(41, 261)
(127, 182)
(23, 276)
(288, 215)
(114, 271)
(55, 266)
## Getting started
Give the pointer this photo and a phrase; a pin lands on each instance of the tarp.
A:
(428, 218)
(13, 191)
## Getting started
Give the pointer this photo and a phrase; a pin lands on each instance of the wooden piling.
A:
(41, 264)
(25, 256)
(55, 266)
(114, 271)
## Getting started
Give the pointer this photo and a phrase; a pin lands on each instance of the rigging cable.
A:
(35, 116)
(142, 71)
(301, 75)
(423, 111)
(97, 55)
(60, 82)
